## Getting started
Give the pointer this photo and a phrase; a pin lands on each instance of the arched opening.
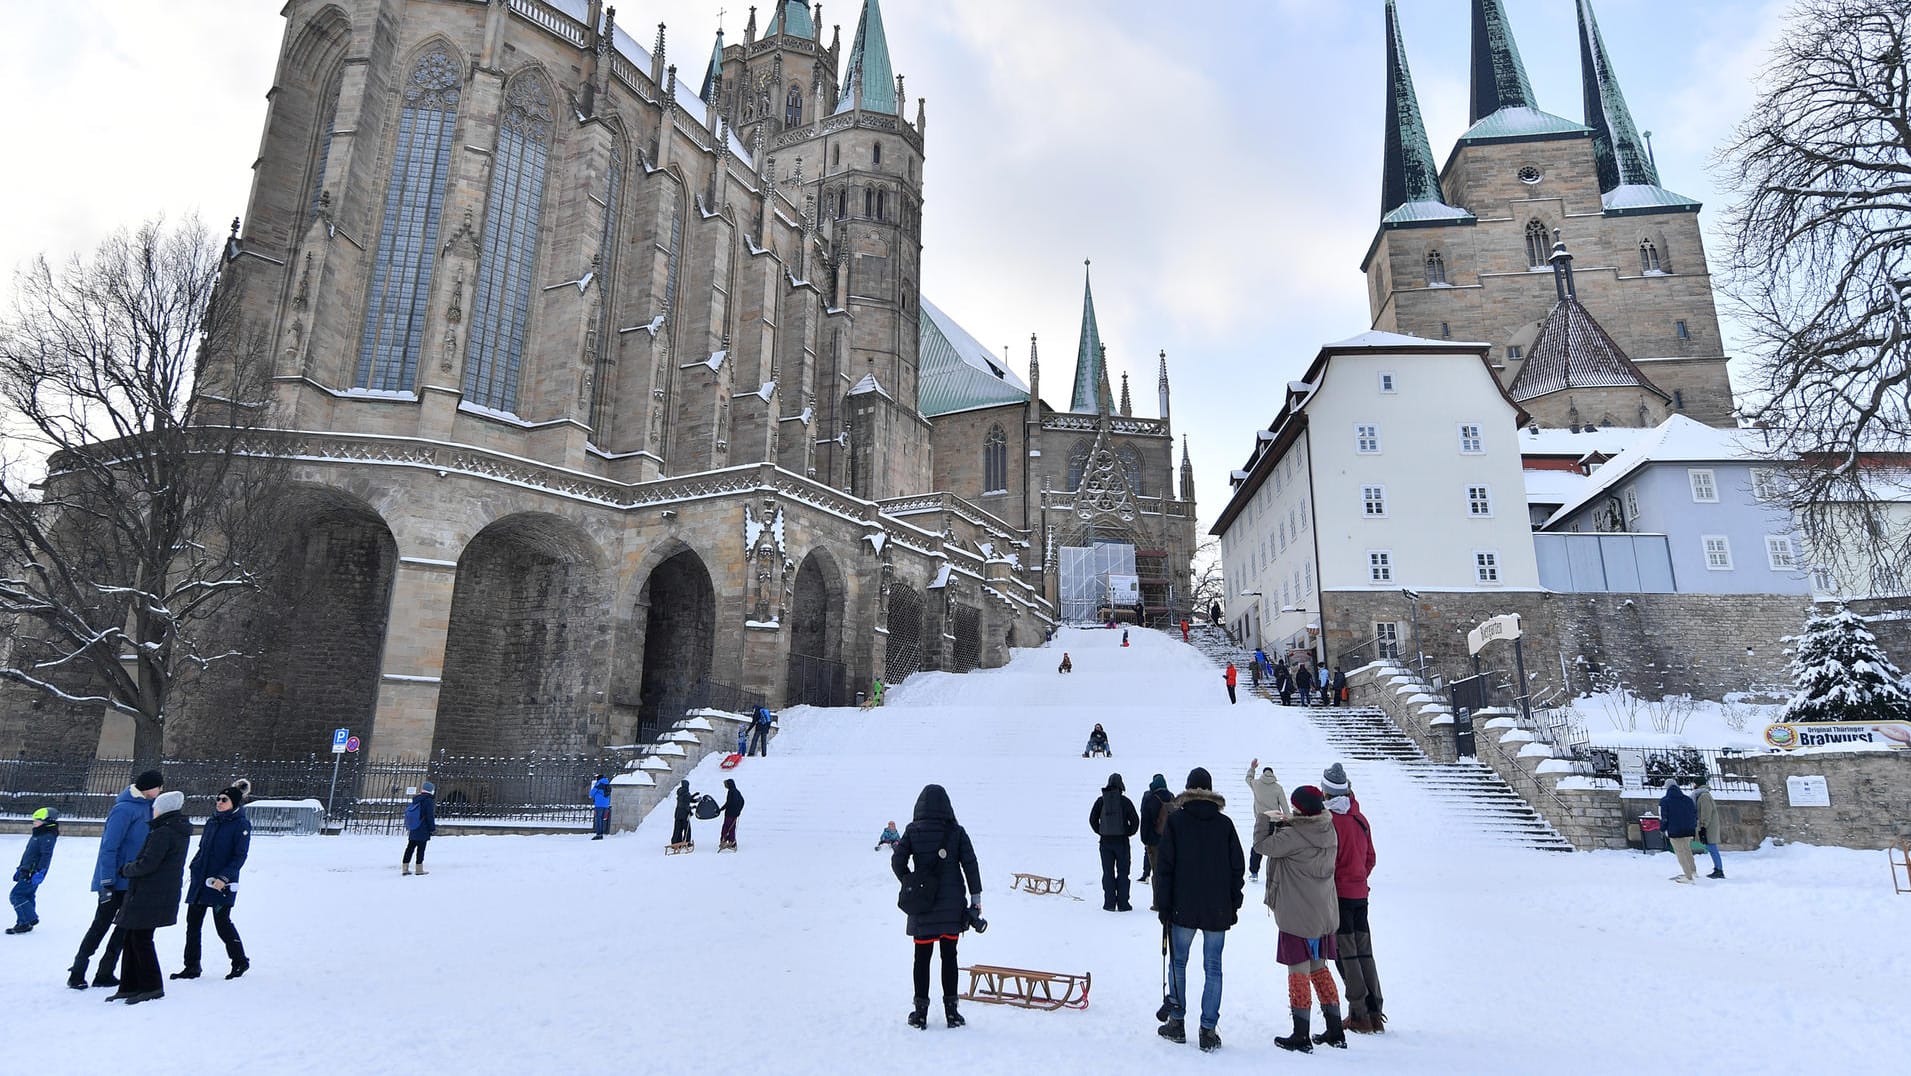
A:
(817, 675)
(968, 637)
(678, 605)
(995, 458)
(904, 654)
(793, 107)
(1539, 250)
(517, 651)
(1649, 257)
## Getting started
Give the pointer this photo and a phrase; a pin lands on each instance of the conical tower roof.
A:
(1410, 181)
(1088, 372)
(1628, 179)
(1503, 105)
(793, 18)
(715, 71)
(869, 65)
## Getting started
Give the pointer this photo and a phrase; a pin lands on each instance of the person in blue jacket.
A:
(600, 807)
(32, 870)
(760, 731)
(421, 822)
(1679, 818)
(215, 881)
(120, 841)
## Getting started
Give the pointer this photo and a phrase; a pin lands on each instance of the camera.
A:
(974, 919)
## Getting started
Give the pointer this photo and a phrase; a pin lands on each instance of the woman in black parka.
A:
(152, 898)
(935, 839)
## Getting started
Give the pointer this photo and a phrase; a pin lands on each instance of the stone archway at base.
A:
(679, 607)
(817, 675)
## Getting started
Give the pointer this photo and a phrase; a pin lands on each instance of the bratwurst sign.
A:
(1886, 733)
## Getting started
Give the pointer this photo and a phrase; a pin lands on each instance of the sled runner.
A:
(680, 847)
(1901, 861)
(1035, 883)
(730, 762)
(1027, 989)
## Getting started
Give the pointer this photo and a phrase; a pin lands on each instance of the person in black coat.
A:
(223, 845)
(1154, 806)
(936, 842)
(1113, 818)
(152, 899)
(680, 821)
(732, 807)
(1200, 875)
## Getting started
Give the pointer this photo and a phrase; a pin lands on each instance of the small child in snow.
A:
(32, 871)
(889, 839)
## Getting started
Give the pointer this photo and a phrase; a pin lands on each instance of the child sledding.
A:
(1097, 744)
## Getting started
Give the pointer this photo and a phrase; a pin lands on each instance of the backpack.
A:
(414, 816)
(1112, 824)
(708, 807)
(919, 890)
(763, 715)
(1161, 816)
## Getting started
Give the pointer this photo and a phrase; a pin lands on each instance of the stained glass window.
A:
(502, 303)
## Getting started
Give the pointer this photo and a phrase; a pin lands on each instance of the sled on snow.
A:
(680, 848)
(1037, 884)
(730, 761)
(1027, 989)
(1901, 861)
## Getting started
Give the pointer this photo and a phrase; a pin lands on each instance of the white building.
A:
(1393, 465)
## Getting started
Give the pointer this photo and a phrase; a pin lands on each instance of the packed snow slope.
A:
(542, 954)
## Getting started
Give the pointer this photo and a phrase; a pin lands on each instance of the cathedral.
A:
(1550, 240)
(610, 389)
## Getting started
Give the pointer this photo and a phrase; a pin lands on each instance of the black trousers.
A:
(416, 845)
(760, 740)
(139, 970)
(1114, 874)
(680, 830)
(221, 922)
(1230, 693)
(103, 916)
(923, 946)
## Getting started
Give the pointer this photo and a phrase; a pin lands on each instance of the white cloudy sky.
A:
(1219, 161)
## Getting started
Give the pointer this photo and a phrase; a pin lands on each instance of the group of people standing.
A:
(1690, 825)
(1314, 683)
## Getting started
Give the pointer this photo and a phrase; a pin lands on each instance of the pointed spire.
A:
(869, 70)
(1187, 472)
(749, 28)
(1087, 354)
(1127, 407)
(1562, 260)
(1034, 373)
(1162, 385)
(712, 88)
(1104, 396)
(1499, 78)
(793, 18)
(1617, 148)
(1408, 175)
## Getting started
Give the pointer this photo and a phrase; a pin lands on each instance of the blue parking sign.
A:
(339, 736)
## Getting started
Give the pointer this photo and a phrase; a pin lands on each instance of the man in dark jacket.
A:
(152, 898)
(1154, 808)
(1113, 817)
(760, 731)
(32, 870)
(937, 843)
(1679, 817)
(421, 824)
(600, 807)
(732, 807)
(1337, 687)
(1200, 874)
(120, 841)
(1284, 683)
(680, 819)
(214, 882)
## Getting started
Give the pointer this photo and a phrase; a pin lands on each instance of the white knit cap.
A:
(168, 802)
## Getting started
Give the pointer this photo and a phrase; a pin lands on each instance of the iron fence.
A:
(84, 790)
(818, 682)
(704, 694)
(1646, 769)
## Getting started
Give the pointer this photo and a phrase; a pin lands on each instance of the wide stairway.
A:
(1467, 787)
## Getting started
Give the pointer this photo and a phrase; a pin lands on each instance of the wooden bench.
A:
(1035, 883)
(1901, 861)
(1026, 989)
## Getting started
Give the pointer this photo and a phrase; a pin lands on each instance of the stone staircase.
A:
(654, 774)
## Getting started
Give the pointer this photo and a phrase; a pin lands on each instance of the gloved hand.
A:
(20, 875)
(106, 891)
(1703, 839)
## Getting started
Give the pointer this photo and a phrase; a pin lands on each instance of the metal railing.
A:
(84, 790)
(1646, 769)
(818, 682)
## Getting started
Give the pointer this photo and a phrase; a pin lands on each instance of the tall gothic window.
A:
(327, 119)
(673, 204)
(1130, 467)
(1538, 250)
(408, 234)
(793, 107)
(1436, 268)
(995, 461)
(502, 303)
(879, 204)
(1078, 463)
(869, 202)
(606, 290)
(1649, 257)
(842, 203)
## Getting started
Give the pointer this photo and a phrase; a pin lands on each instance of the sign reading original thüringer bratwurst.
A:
(1803, 734)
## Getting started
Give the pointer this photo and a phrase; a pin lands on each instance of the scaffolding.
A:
(1086, 571)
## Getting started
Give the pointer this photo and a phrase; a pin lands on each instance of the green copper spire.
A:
(793, 18)
(1088, 371)
(1617, 147)
(869, 66)
(707, 93)
(1408, 176)
(1499, 78)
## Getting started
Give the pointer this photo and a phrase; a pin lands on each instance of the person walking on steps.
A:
(1304, 679)
(32, 870)
(152, 899)
(600, 807)
(1324, 680)
(1679, 817)
(215, 882)
(421, 824)
(1337, 688)
(1184, 629)
(1300, 888)
(1268, 796)
(732, 807)
(120, 841)
(1154, 811)
(1709, 823)
(760, 731)
(1200, 875)
(680, 816)
(933, 861)
(1284, 683)
(1354, 940)
(1113, 817)
(1229, 676)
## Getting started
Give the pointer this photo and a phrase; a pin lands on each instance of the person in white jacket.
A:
(1268, 796)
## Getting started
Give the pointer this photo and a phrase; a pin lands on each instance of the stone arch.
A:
(518, 646)
(677, 606)
(966, 624)
(817, 675)
(904, 653)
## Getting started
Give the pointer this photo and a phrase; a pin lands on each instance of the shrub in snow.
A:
(1840, 674)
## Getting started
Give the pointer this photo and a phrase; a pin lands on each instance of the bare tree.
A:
(1209, 586)
(154, 511)
(1821, 269)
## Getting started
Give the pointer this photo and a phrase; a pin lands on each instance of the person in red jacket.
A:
(1353, 862)
(1230, 676)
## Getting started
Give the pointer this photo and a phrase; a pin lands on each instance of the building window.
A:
(1764, 484)
(842, 203)
(1649, 257)
(1779, 554)
(1471, 440)
(1307, 578)
(869, 202)
(1366, 438)
(1300, 511)
(1386, 639)
(607, 275)
(1515, 353)
(1287, 598)
(995, 462)
(1436, 270)
(1078, 463)
(880, 215)
(1679, 329)
(1479, 501)
(836, 154)
(408, 234)
(1821, 580)
(1678, 400)
(877, 150)
(793, 107)
(1538, 250)
(327, 119)
(1705, 487)
(1486, 566)
(1374, 500)
(1379, 566)
(1718, 553)
(1632, 505)
(501, 302)
(1446, 331)
(1130, 459)
(1386, 383)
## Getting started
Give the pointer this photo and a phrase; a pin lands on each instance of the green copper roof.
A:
(956, 373)
(1634, 198)
(1088, 371)
(1499, 78)
(711, 73)
(1408, 176)
(869, 65)
(1513, 124)
(793, 18)
(1617, 148)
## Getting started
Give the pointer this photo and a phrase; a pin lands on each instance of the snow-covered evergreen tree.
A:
(1841, 674)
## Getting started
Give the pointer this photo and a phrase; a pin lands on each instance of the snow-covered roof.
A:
(1378, 339)
(956, 372)
(1520, 122)
(1422, 211)
(1573, 351)
(1641, 196)
(1554, 487)
(868, 384)
(1576, 444)
(1676, 440)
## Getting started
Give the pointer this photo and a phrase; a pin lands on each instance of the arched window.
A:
(869, 202)
(1078, 463)
(1130, 467)
(842, 203)
(836, 153)
(327, 119)
(879, 205)
(878, 150)
(995, 461)
(793, 107)
(408, 233)
(1649, 257)
(502, 303)
(1538, 250)
(1436, 268)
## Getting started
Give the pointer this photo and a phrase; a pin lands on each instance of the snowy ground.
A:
(1619, 718)
(544, 954)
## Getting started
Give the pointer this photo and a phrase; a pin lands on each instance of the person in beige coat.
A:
(1300, 851)
(1268, 796)
(1709, 823)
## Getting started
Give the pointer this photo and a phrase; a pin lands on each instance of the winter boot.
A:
(1174, 1030)
(919, 1017)
(1301, 1041)
(949, 1012)
(188, 972)
(240, 965)
(1359, 1023)
(1334, 1035)
(76, 975)
(103, 977)
(420, 872)
(1210, 1041)
(405, 868)
(1717, 872)
(144, 995)
(22, 928)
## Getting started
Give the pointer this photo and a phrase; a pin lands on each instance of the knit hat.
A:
(168, 802)
(428, 788)
(1333, 780)
(236, 794)
(1159, 782)
(149, 780)
(1198, 778)
(1307, 800)
(46, 814)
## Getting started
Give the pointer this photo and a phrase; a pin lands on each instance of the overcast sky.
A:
(1219, 161)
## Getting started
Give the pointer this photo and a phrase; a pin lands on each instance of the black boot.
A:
(1300, 1041)
(1717, 872)
(190, 971)
(76, 975)
(1210, 1041)
(1335, 1035)
(1174, 1030)
(919, 1018)
(949, 1011)
(240, 965)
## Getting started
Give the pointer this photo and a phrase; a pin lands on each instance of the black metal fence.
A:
(85, 790)
(1648, 768)
(705, 694)
(818, 682)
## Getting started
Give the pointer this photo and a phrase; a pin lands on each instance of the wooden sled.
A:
(680, 847)
(1035, 883)
(1027, 989)
(730, 761)
(1901, 862)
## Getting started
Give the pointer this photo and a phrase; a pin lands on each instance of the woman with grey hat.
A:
(152, 898)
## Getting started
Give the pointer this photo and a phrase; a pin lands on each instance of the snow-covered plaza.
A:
(523, 954)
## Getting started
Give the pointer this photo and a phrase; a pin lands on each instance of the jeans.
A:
(760, 740)
(1713, 851)
(600, 820)
(1180, 940)
(1114, 873)
(1253, 862)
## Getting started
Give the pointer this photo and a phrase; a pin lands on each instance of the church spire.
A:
(1499, 78)
(1127, 407)
(793, 18)
(1088, 375)
(1187, 472)
(712, 87)
(1034, 374)
(869, 69)
(1617, 148)
(1162, 386)
(1408, 176)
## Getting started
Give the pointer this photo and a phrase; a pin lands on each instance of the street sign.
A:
(1506, 626)
(351, 745)
(339, 739)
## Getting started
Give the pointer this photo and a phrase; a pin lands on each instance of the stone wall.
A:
(1869, 791)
